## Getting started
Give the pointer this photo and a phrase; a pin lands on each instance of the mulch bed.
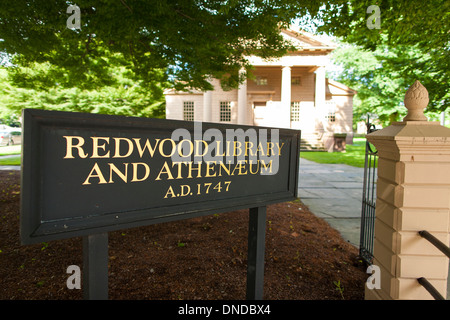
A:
(202, 258)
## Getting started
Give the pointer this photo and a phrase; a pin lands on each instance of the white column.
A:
(207, 106)
(242, 103)
(320, 87)
(284, 116)
(286, 86)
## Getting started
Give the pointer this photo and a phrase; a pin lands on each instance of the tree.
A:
(190, 39)
(380, 78)
(46, 86)
(416, 33)
(194, 39)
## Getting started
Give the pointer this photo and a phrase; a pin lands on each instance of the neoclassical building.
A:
(289, 92)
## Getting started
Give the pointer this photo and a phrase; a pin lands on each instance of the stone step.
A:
(311, 142)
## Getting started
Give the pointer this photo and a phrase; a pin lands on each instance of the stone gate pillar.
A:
(413, 194)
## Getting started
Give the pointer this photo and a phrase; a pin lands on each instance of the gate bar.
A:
(429, 287)
(436, 242)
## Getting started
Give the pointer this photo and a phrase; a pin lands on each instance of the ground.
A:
(200, 258)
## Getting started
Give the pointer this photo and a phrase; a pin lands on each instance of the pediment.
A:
(305, 41)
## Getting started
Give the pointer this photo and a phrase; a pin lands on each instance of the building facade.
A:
(289, 92)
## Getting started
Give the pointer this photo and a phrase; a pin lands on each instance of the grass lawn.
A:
(353, 156)
(10, 161)
(14, 152)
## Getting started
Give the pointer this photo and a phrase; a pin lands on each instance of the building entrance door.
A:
(259, 113)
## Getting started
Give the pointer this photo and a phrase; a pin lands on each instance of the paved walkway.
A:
(333, 192)
(9, 167)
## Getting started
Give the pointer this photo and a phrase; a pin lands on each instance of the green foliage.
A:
(380, 90)
(189, 39)
(411, 44)
(382, 77)
(132, 101)
(339, 288)
(46, 86)
(125, 53)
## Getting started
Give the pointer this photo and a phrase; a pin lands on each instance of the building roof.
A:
(306, 41)
(306, 44)
(338, 89)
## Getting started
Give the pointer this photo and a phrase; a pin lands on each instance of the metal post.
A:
(256, 248)
(95, 267)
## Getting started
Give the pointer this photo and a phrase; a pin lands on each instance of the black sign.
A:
(85, 174)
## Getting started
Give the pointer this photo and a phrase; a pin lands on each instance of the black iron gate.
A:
(368, 200)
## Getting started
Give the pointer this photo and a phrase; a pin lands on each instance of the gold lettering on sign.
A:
(218, 142)
(199, 169)
(161, 148)
(237, 148)
(197, 142)
(146, 149)
(117, 143)
(269, 148)
(251, 167)
(96, 146)
(170, 192)
(180, 148)
(185, 190)
(265, 166)
(165, 169)
(123, 176)
(209, 168)
(147, 146)
(225, 168)
(98, 174)
(135, 171)
(70, 146)
(279, 148)
(260, 149)
(249, 147)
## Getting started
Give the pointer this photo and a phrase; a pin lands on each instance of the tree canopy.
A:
(191, 40)
(412, 42)
(380, 78)
(46, 86)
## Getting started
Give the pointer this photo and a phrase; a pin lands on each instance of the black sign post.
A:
(95, 267)
(256, 246)
(84, 175)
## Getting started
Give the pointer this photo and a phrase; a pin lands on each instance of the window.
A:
(295, 81)
(331, 114)
(225, 111)
(188, 110)
(331, 117)
(261, 81)
(295, 111)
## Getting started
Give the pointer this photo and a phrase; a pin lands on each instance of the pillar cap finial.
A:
(416, 100)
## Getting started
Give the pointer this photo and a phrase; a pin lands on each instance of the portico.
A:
(288, 92)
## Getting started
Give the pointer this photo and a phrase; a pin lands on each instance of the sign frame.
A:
(38, 123)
